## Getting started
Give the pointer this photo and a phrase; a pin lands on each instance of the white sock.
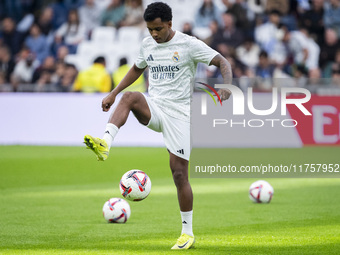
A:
(110, 133)
(187, 223)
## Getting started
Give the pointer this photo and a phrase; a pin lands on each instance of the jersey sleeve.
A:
(140, 62)
(200, 52)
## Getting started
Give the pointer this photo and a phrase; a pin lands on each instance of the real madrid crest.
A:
(175, 57)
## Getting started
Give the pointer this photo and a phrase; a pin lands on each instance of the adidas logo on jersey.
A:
(150, 58)
(181, 151)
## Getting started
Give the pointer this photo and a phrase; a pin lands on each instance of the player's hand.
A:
(107, 102)
(224, 94)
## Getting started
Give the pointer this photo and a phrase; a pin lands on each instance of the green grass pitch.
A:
(51, 200)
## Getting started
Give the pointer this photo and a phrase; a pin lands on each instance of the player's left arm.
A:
(227, 74)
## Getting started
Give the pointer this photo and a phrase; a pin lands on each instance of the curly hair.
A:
(158, 10)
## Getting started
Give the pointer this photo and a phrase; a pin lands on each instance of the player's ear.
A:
(170, 23)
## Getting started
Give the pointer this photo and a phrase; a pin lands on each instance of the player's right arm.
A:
(132, 75)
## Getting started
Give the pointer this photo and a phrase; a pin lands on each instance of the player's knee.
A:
(179, 177)
(129, 98)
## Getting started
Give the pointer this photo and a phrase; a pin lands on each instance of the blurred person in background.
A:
(239, 10)
(329, 48)
(313, 20)
(47, 67)
(6, 68)
(208, 12)
(62, 53)
(300, 74)
(327, 71)
(6, 64)
(94, 79)
(118, 75)
(10, 37)
(264, 71)
(42, 84)
(266, 35)
(264, 68)
(301, 48)
(314, 77)
(248, 53)
(331, 17)
(238, 68)
(227, 35)
(71, 33)
(66, 81)
(187, 28)
(59, 11)
(60, 68)
(89, 15)
(214, 28)
(286, 10)
(134, 13)
(256, 7)
(56, 78)
(24, 69)
(37, 43)
(336, 75)
(44, 21)
(303, 6)
(114, 14)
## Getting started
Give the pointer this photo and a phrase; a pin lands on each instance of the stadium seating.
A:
(125, 42)
(110, 43)
(104, 34)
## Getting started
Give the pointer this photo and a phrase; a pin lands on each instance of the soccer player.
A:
(172, 58)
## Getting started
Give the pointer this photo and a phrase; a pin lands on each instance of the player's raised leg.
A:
(130, 101)
(179, 168)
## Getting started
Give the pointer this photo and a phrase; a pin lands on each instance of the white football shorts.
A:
(176, 132)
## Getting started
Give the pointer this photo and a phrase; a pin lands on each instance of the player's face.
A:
(160, 31)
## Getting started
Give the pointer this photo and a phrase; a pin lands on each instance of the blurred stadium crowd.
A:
(55, 46)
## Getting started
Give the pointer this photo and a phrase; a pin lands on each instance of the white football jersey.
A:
(172, 67)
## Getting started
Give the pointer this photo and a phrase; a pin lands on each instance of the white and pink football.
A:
(135, 185)
(116, 210)
(261, 192)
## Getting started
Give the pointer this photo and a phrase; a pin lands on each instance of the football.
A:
(261, 192)
(116, 210)
(135, 185)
